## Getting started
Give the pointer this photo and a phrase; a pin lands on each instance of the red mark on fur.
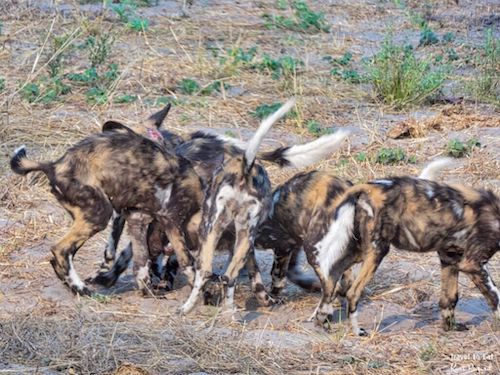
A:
(154, 134)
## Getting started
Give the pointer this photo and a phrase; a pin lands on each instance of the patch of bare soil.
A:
(46, 330)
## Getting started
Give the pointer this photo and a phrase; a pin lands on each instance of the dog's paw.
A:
(455, 326)
(81, 290)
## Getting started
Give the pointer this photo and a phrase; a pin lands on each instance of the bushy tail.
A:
(300, 156)
(21, 165)
(254, 143)
(430, 172)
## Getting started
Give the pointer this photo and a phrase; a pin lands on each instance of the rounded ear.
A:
(157, 118)
(114, 126)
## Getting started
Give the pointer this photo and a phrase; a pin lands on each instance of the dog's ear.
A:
(157, 118)
(115, 126)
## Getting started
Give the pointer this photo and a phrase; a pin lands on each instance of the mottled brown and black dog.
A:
(125, 172)
(461, 224)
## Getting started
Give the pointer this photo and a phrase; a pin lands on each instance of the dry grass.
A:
(43, 328)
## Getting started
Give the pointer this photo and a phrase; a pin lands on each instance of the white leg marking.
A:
(230, 298)
(354, 323)
(331, 248)
(73, 279)
(495, 290)
(195, 293)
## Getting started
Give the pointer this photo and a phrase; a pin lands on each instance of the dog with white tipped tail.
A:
(415, 214)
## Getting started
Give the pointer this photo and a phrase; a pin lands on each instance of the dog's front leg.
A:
(204, 268)
(242, 248)
(118, 222)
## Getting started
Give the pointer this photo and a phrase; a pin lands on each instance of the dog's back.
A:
(421, 215)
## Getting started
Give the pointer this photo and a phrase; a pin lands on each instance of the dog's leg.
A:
(375, 252)
(65, 250)
(485, 284)
(279, 271)
(178, 242)
(449, 297)
(137, 224)
(118, 222)
(204, 267)
(257, 284)
(323, 314)
(243, 247)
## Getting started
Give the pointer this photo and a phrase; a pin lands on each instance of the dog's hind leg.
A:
(279, 271)
(483, 281)
(375, 252)
(449, 297)
(81, 230)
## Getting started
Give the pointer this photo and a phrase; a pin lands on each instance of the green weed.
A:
(55, 64)
(125, 99)
(97, 95)
(138, 24)
(189, 86)
(2, 84)
(400, 78)
(44, 91)
(264, 110)
(389, 156)
(304, 19)
(427, 37)
(126, 12)
(449, 37)
(88, 76)
(486, 85)
(285, 66)
(99, 48)
(459, 149)
(342, 68)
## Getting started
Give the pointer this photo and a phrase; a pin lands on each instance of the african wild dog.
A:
(239, 196)
(461, 224)
(125, 172)
(208, 149)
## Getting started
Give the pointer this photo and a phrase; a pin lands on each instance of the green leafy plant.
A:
(388, 156)
(448, 37)
(400, 78)
(126, 12)
(97, 95)
(88, 76)
(57, 55)
(427, 37)
(44, 91)
(459, 149)
(304, 18)
(138, 24)
(239, 56)
(125, 99)
(189, 86)
(99, 47)
(2, 84)
(264, 110)
(285, 66)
